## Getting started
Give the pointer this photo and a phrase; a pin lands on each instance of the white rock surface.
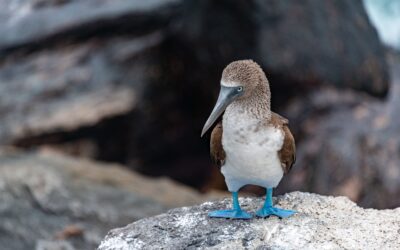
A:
(321, 223)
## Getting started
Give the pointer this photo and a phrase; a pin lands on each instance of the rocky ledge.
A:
(322, 222)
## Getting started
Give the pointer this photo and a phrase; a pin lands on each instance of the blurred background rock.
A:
(132, 82)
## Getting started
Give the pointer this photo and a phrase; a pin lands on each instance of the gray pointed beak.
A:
(226, 96)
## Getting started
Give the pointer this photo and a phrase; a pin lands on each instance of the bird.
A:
(251, 144)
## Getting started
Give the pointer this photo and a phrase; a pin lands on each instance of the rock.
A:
(322, 222)
(317, 42)
(38, 22)
(349, 145)
(300, 45)
(50, 201)
(41, 94)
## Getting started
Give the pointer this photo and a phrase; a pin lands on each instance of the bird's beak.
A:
(226, 96)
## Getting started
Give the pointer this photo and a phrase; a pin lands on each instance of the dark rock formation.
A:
(300, 44)
(40, 23)
(64, 89)
(48, 200)
(59, 72)
(349, 145)
(321, 223)
(310, 43)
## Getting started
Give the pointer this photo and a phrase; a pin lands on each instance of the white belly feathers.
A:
(251, 153)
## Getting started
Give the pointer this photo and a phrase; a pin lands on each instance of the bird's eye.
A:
(240, 89)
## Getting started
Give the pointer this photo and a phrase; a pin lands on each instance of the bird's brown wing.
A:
(287, 154)
(216, 149)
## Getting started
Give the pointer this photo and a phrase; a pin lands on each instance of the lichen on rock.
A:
(322, 222)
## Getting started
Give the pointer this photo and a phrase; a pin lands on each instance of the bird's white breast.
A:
(251, 152)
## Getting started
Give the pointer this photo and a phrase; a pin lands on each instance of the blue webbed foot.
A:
(230, 214)
(270, 210)
(235, 213)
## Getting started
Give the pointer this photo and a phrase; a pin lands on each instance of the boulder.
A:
(348, 144)
(71, 87)
(322, 222)
(39, 23)
(311, 43)
(301, 45)
(49, 201)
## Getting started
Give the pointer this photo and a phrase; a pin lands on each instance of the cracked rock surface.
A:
(322, 222)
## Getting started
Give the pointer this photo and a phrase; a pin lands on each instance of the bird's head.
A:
(245, 76)
(240, 81)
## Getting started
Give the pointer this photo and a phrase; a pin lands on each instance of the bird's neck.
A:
(257, 106)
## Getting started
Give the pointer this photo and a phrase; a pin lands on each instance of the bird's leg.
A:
(235, 213)
(268, 209)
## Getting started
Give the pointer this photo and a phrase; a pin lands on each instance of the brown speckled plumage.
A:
(216, 149)
(287, 154)
(257, 95)
(244, 71)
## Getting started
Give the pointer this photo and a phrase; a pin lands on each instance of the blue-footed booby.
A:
(252, 144)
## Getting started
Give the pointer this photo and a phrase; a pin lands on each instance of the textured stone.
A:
(322, 222)
(300, 44)
(42, 94)
(37, 22)
(350, 144)
(50, 201)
